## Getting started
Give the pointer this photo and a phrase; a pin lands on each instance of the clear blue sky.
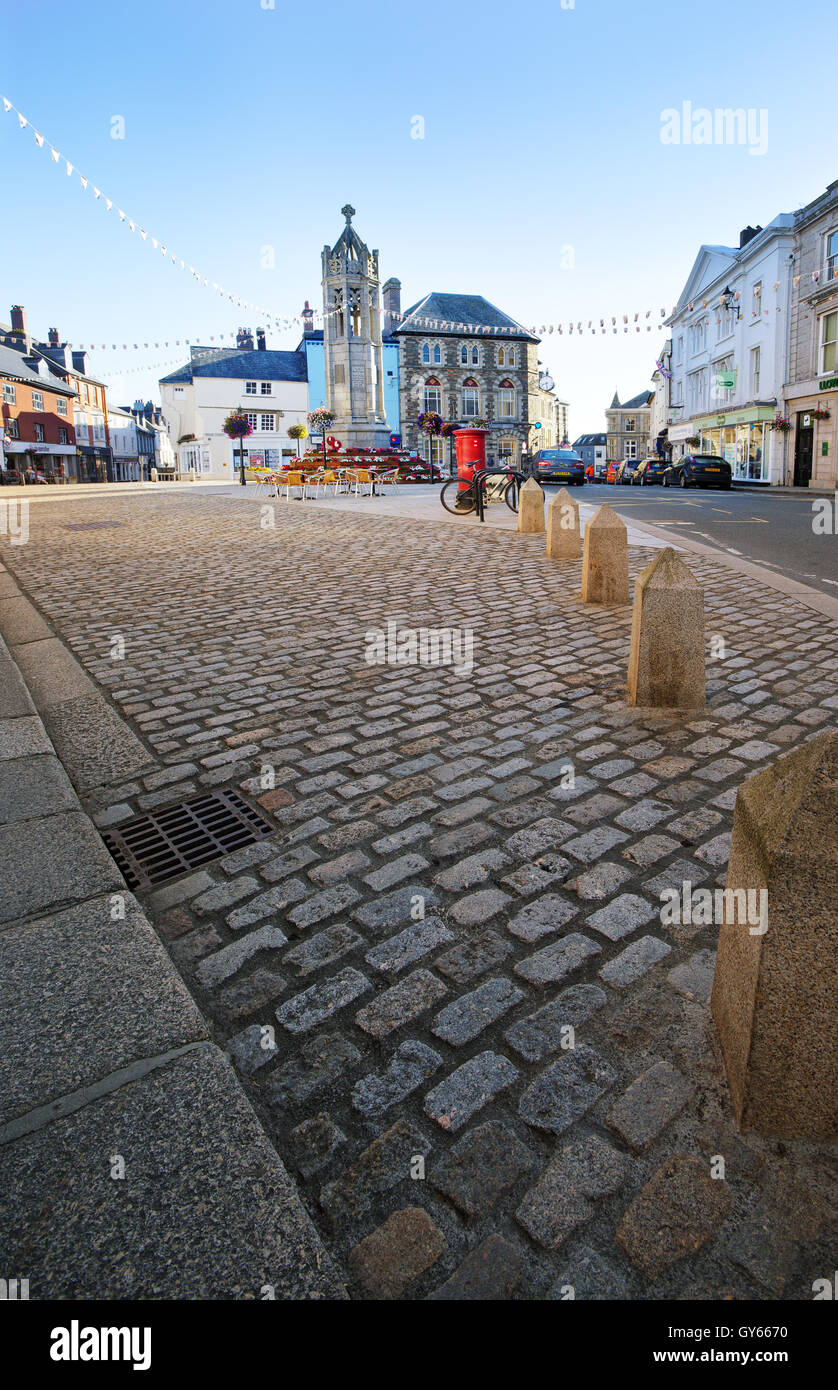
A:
(248, 127)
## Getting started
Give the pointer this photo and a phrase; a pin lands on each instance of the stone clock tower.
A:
(352, 340)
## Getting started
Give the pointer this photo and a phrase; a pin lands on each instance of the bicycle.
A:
(489, 485)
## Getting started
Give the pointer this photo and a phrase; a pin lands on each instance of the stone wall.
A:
(452, 374)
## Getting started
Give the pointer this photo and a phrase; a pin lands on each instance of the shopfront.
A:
(743, 438)
(812, 409)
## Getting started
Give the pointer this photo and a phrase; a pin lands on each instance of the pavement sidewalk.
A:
(116, 1105)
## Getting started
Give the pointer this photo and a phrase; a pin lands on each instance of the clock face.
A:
(546, 383)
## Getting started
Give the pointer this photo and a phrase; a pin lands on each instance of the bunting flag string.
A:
(221, 339)
(277, 320)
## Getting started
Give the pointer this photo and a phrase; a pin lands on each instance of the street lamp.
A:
(729, 301)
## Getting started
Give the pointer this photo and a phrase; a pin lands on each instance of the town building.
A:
(92, 459)
(729, 353)
(551, 413)
(466, 360)
(591, 448)
(133, 441)
(811, 389)
(37, 423)
(271, 387)
(628, 425)
(661, 403)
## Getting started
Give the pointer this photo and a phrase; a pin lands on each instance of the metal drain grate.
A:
(153, 848)
(92, 525)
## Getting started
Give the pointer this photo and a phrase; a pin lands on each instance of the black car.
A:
(699, 470)
(649, 471)
(560, 466)
(627, 470)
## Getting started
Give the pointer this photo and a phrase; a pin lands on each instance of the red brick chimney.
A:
(19, 320)
(54, 340)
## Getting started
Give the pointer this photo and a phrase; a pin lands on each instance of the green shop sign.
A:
(829, 385)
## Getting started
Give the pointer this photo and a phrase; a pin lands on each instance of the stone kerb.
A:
(666, 658)
(605, 577)
(775, 989)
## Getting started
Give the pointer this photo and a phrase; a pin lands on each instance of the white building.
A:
(132, 445)
(729, 352)
(661, 400)
(270, 386)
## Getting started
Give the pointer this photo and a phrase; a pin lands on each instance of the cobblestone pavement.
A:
(416, 1075)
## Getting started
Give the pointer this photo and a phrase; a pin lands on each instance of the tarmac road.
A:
(775, 530)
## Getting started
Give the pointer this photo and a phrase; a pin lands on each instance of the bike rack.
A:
(481, 473)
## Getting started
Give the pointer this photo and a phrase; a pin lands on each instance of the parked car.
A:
(560, 466)
(649, 471)
(612, 469)
(627, 470)
(699, 470)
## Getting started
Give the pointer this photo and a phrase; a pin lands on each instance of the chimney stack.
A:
(54, 340)
(747, 234)
(19, 328)
(244, 340)
(260, 339)
(308, 318)
(391, 298)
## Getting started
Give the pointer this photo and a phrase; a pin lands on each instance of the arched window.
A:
(426, 352)
(470, 399)
(506, 400)
(506, 357)
(475, 357)
(464, 355)
(433, 395)
(501, 357)
(437, 354)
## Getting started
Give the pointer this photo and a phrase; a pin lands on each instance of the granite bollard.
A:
(605, 577)
(530, 509)
(775, 988)
(666, 658)
(563, 538)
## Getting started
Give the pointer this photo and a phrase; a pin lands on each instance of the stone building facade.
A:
(628, 426)
(812, 384)
(466, 360)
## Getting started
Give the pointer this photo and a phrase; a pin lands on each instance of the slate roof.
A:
(454, 309)
(636, 402)
(589, 439)
(246, 366)
(13, 365)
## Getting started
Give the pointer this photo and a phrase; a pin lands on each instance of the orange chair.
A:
(293, 478)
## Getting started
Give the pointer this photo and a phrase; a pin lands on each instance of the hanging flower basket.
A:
(781, 424)
(821, 414)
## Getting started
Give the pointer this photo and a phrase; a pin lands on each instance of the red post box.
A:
(471, 454)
